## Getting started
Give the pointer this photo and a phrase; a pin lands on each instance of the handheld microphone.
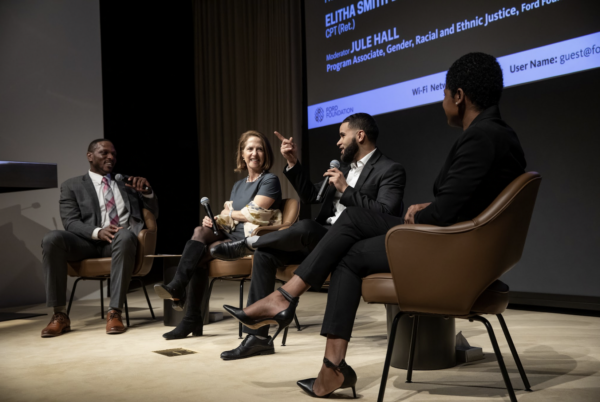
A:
(205, 203)
(332, 164)
(125, 178)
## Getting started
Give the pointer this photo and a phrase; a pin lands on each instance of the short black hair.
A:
(93, 144)
(479, 76)
(364, 122)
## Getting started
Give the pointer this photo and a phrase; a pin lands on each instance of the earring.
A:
(456, 103)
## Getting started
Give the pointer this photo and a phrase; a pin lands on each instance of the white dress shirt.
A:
(355, 170)
(119, 202)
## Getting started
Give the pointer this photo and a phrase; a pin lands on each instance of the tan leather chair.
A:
(453, 271)
(241, 270)
(98, 269)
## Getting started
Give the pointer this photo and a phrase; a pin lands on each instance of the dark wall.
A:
(149, 108)
(556, 121)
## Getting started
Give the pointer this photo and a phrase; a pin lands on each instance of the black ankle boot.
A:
(191, 256)
(189, 324)
(193, 321)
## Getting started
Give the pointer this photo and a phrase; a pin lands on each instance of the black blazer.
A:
(482, 162)
(80, 207)
(380, 187)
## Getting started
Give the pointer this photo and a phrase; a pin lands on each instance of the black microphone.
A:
(205, 203)
(124, 177)
(332, 164)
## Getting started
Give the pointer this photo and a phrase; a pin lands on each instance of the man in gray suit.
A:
(102, 218)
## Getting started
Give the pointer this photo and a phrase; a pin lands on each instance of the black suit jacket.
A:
(482, 162)
(80, 207)
(380, 187)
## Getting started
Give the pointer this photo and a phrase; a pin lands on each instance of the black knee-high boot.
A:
(188, 265)
(192, 322)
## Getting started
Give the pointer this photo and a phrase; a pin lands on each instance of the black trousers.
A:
(353, 248)
(273, 251)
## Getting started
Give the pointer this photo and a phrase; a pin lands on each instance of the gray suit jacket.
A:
(80, 208)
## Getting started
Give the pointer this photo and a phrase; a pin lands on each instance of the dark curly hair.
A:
(364, 122)
(480, 77)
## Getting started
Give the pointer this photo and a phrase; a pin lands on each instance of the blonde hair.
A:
(241, 164)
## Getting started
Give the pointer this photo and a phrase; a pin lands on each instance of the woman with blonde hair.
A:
(254, 201)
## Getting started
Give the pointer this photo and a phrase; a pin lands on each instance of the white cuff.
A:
(151, 195)
(95, 233)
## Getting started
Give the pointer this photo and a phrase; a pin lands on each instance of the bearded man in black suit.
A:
(369, 181)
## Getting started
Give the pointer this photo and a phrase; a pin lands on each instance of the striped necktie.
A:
(109, 202)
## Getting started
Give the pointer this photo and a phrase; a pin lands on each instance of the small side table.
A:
(172, 317)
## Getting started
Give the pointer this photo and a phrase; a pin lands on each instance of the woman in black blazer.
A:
(486, 157)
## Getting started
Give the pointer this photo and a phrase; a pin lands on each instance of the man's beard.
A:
(350, 152)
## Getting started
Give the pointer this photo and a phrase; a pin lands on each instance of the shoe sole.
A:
(162, 293)
(115, 332)
(263, 353)
(64, 331)
(260, 324)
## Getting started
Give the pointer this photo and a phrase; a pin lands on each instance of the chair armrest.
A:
(146, 245)
(262, 230)
(441, 270)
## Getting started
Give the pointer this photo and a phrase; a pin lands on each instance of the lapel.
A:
(367, 169)
(91, 190)
(125, 196)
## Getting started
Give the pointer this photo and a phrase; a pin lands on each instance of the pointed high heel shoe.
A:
(283, 318)
(349, 379)
(166, 292)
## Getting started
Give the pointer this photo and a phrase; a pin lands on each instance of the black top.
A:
(380, 188)
(485, 159)
(243, 192)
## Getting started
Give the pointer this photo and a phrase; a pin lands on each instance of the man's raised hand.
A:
(139, 184)
(288, 149)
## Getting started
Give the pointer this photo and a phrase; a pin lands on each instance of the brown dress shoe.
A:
(59, 324)
(114, 323)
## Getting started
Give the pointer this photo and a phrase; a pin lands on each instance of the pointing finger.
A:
(281, 137)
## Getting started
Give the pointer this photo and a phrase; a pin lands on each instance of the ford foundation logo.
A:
(319, 114)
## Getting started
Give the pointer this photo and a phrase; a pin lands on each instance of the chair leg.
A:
(388, 356)
(102, 298)
(147, 298)
(490, 330)
(108, 287)
(72, 295)
(513, 350)
(126, 311)
(297, 323)
(411, 353)
(206, 300)
(241, 303)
